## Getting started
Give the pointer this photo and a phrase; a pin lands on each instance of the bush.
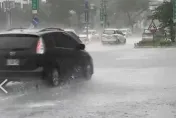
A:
(155, 43)
(148, 43)
(165, 43)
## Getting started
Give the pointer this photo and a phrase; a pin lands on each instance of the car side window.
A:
(65, 41)
(115, 32)
(119, 32)
(49, 40)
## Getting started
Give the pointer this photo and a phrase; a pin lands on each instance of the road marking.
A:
(2, 85)
(42, 104)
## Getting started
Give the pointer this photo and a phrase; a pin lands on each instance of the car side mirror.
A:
(80, 47)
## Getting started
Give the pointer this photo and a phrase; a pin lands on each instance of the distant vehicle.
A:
(83, 36)
(126, 31)
(71, 30)
(147, 35)
(94, 34)
(75, 36)
(50, 54)
(113, 36)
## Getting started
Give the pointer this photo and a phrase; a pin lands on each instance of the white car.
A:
(126, 31)
(94, 34)
(70, 30)
(113, 36)
(83, 36)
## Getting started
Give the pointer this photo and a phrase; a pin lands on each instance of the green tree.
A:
(60, 9)
(164, 13)
(132, 8)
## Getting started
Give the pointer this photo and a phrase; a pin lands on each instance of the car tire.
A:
(117, 41)
(124, 42)
(54, 77)
(87, 74)
(103, 43)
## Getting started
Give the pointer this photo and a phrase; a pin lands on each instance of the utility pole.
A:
(8, 5)
(35, 8)
(87, 18)
(103, 13)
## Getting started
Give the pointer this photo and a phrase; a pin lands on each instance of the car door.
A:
(68, 55)
(77, 56)
(121, 36)
(56, 54)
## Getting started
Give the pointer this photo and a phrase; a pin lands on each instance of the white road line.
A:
(2, 85)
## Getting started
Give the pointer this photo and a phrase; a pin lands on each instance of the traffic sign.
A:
(35, 6)
(86, 11)
(174, 11)
(35, 21)
(86, 4)
(152, 27)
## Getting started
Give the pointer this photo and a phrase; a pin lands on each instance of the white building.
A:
(21, 2)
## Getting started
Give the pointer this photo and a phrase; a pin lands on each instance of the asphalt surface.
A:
(128, 82)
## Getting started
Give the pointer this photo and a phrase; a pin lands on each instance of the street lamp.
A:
(92, 8)
(71, 12)
(8, 6)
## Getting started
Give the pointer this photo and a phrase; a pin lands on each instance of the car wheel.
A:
(117, 41)
(54, 77)
(125, 41)
(88, 72)
(103, 43)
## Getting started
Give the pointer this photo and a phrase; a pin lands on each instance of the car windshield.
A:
(109, 32)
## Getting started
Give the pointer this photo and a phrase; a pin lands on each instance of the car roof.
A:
(37, 32)
(124, 29)
(92, 30)
(111, 29)
(69, 29)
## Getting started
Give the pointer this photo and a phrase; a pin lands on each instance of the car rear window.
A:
(147, 31)
(11, 41)
(109, 32)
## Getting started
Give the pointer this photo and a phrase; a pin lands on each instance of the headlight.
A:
(89, 37)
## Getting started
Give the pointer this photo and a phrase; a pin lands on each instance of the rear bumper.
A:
(21, 75)
(109, 41)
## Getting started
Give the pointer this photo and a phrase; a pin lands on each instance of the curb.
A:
(136, 46)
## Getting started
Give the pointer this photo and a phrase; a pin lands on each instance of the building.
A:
(12, 3)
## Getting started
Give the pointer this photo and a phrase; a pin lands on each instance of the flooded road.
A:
(128, 82)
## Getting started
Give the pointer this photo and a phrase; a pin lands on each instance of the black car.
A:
(76, 37)
(49, 54)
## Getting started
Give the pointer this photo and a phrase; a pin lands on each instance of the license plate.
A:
(13, 62)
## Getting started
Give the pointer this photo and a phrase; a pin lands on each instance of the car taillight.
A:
(40, 49)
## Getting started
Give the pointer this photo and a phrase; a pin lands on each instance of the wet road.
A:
(128, 82)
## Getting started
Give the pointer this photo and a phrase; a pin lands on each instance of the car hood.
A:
(84, 35)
